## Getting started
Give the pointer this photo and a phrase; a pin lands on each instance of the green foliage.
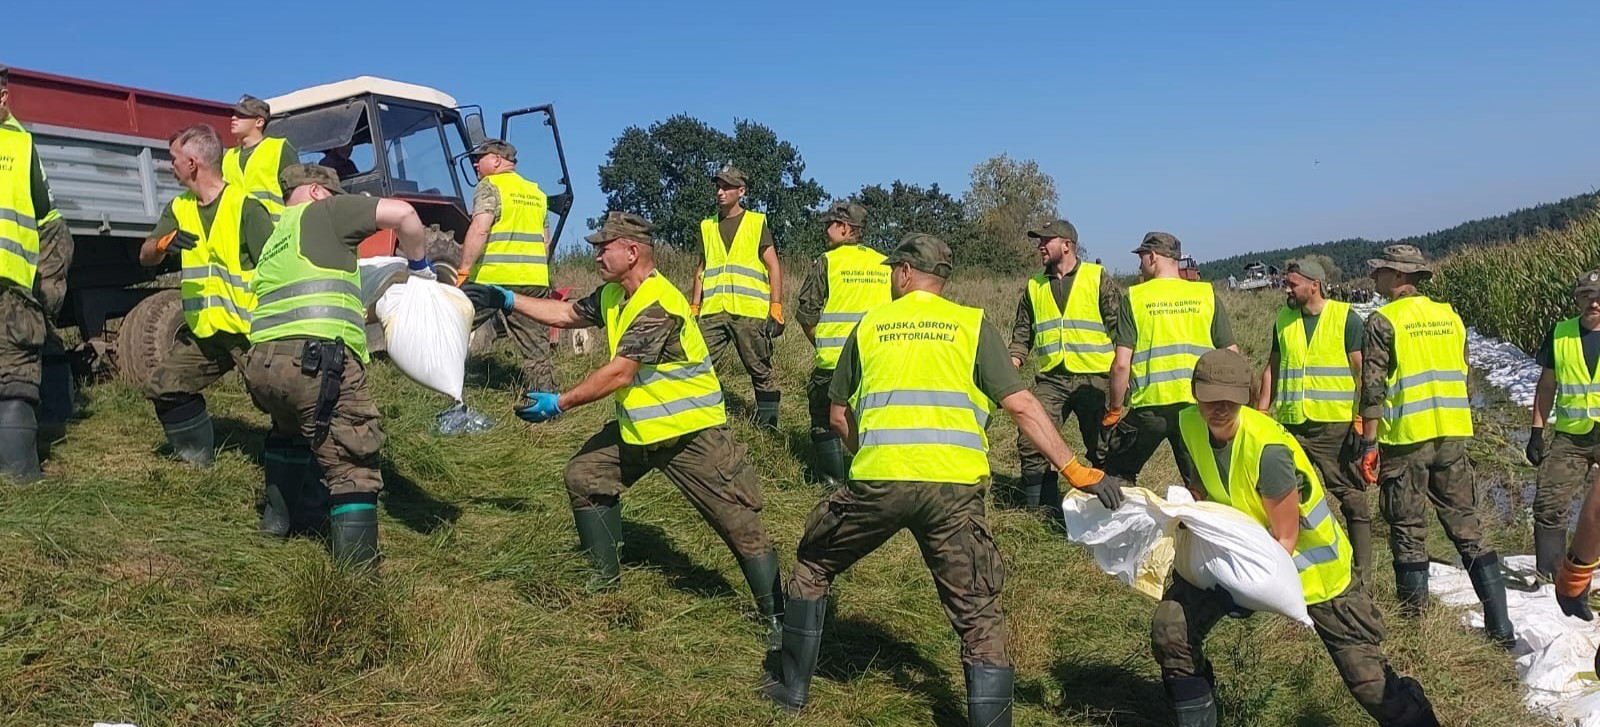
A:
(1007, 197)
(892, 213)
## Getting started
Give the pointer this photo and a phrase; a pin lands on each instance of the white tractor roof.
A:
(340, 90)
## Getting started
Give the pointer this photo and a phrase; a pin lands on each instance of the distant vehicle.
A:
(1257, 276)
(1188, 269)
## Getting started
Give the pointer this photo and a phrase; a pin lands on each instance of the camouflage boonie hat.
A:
(849, 213)
(1404, 258)
(1222, 375)
(296, 175)
(1588, 285)
(1160, 243)
(250, 107)
(1054, 228)
(495, 146)
(620, 225)
(923, 252)
(1308, 268)
(731, 176)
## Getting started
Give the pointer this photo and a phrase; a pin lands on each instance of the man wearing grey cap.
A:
(1568, 359)
(1309, 386)
(255, 164)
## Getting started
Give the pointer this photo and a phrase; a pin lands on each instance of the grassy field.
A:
(134, 589)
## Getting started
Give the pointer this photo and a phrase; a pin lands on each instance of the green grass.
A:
(134, 589)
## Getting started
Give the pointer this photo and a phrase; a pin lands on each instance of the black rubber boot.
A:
(353, 535)
(283, 467)
(55, 401)
(1411, 587)
(989, 695)
(1490, 585)
(1192, 701)
(802, 641)
(303, 489)
(1549, 547)
(1361, 552)
(19, 442)
(1032, 488)
(829, 464)
(192, 440)
(767, 413)
(1050, 496)
(600, 538)
(761, 573)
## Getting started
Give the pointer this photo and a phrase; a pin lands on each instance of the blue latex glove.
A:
(542, 406)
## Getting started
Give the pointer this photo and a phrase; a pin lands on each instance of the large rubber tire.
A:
(147, 334)
(443, 247)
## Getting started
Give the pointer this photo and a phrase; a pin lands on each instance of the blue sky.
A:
(1237, 127)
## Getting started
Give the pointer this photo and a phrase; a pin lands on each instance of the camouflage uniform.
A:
(1567, 458)
(531, 338)
(25, 332)
(348, 455)
(749, 336)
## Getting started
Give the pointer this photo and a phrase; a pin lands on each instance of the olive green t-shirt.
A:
(729, 226)
(255, 226)
(332, 229)
(1277, 475)
(992, 371)
(1355, 330)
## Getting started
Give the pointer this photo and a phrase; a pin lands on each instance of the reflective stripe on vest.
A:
(1077, 336)
(214, 283)
(735, 279)
(921, 416)
(515, 253)
(1313, 379)
(19, 229)
(1577, 388)
(1172, 318)
(298, 299)
(1322, 554)
(259, 175)
(858, 282)
(669, 399)
(1426, 396)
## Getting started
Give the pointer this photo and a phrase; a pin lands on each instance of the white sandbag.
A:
(1218, 546)
(428, 326)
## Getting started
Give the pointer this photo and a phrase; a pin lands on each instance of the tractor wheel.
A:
(147, 334)
(443, 247)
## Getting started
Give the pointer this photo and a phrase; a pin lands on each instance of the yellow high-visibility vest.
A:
(858, 282)
(516, 252)
(1427, 391)
(920, 414)
(297, 298)
(1577, 387)
(1322, 553)
(735, 279)
(19, 229)
(1173, 318)
(1076, 336)
(259, 176)
(669, 399)
(1314, 381)
(215, 285)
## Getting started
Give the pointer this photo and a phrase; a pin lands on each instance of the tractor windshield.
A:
(415, 149)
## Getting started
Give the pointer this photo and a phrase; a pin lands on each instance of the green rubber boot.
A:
(829, 464)
(989, 695)
(192, 441)
(600, 538)
(1490, 585)
(353, 535)
(761, 573)
(802, 642)
(767, 413)
(1411, 587)
(19, 435)
(1549, 547)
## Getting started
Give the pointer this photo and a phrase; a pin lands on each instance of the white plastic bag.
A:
(428, 326)
(1219, 546)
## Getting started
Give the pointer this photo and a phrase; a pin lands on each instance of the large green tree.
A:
(1007, 197)
(892, 213)
(664, 173)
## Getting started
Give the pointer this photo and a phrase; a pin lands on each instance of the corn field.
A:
(1514, 291)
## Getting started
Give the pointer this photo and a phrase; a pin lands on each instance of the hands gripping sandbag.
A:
(428, 326)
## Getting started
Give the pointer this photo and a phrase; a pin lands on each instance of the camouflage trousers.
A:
(1349, 624)
(22, 339)
(950, 528)
(1134, 440)
(1329, 446)
(749, 338)
(348, 454)
(56, 249)
(1562, 475)
(710, 467)
(1066, 394)
(1412, 475)
(192, 365)
(532, 340)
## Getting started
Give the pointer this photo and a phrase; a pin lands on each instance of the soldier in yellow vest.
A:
(255, 164)
(308, 353)
(1066, 318)
(1241, 458)
(915, 384)
(1166, 325)
(1568, 360)
(217, 231)
(24, 200)
(508, 245)
(738, 289)
(844, 283)
(1417, 422)
(669, 411)
(1309, 386)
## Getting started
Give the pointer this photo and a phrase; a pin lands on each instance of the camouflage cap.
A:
(923, 252)
(1588, 285)
(1222, 375)
(250, 107)
(620, 225)
(1054, 228)
(848, 213)
(495, 146)
(1404, 258)
(1308, 269)
(295, 175)
(1160, 243)
(731, 176)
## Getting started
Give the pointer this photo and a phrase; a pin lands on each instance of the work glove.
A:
(1369, 462)
(1113, 415)
(775, 320)
(542, 406)
(694, 309)
(1352, 438)
(1572, 587)
(1536, 445)
(1106, 488)
(422, 269)
(177, 240)
(462, 275)
(489, 297)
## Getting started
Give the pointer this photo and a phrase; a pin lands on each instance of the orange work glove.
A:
(1113, 415)
(1369, 462)
(177, 240)
(1572, 587)
(1359, 425)
(694, 309)
(775, 312)
(1095, 482)
(461, 276)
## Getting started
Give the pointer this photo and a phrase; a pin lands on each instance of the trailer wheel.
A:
(147, 334)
